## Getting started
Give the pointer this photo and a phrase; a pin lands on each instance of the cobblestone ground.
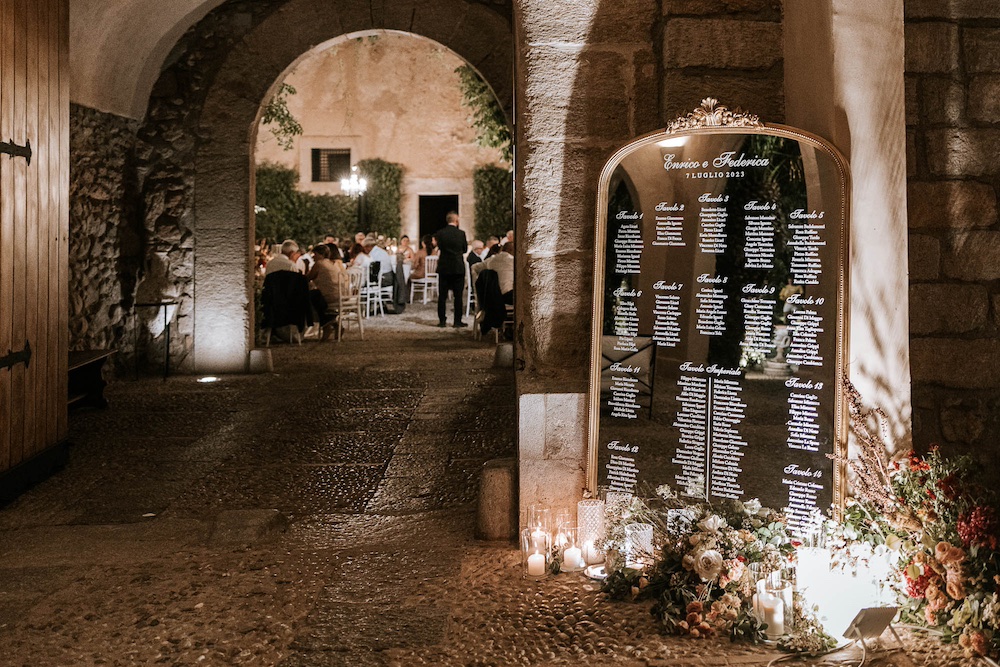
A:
(153, 545)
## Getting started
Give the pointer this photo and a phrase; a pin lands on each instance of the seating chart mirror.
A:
(720, 315)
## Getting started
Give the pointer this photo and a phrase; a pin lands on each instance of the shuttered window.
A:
(330, 164)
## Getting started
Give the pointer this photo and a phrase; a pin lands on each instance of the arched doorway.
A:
(217, 211)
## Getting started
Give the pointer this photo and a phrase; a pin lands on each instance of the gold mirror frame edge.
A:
(843, 284)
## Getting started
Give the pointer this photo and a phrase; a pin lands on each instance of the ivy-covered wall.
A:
(493, 187)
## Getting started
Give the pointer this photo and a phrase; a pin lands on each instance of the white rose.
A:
(708, 565)
(752, 506)
(712, 523)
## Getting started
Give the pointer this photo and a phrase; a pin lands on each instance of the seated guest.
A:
(327, 274)
(285, 301)
(490, 242)
(336, 255)
(475, 255)
(359, 257)
(503, 264)
(304, 261)
(405, 249)
(419, 269)
(376, 253)
(285, 260)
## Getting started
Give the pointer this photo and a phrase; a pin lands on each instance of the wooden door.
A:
(34, 107)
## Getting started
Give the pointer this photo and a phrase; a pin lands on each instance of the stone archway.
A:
(221, 211)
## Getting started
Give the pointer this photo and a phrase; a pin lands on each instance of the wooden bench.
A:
(86, 381)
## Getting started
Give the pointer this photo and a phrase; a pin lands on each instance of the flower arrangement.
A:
(920, 526)
(941, 527)
(700, 576)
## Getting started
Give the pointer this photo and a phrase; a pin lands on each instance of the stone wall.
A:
(105, 243)
(727, 49)
(168, 144)
(952, 105)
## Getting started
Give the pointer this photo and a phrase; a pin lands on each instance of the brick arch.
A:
(223, 165)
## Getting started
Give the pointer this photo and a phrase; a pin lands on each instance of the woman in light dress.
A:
(419, 258)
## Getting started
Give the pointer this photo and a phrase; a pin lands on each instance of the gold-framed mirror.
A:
(720, 311)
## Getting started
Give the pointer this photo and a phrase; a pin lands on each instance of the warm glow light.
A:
(672, 142)
(208, 378)
(355, 185)
(838, 595)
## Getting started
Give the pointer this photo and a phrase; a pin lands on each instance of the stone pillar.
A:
(844, 82)
(222, 312)
(586, 83)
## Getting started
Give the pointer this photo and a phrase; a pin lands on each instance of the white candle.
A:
(573, 558)
(538, 541)
(774, 614)
(536, 565)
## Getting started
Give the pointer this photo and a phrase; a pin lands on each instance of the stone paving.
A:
(160, 544)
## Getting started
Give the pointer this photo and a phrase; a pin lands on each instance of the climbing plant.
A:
(280, 121)
(286, 213)
(492, 187)
(488, 119)
(382, 199)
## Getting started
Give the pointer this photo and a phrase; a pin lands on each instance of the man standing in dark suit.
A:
(452, 244)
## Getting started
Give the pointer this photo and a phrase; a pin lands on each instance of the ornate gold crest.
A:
(713, 114)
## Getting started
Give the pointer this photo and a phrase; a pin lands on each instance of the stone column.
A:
(586, 83)
(844, 82)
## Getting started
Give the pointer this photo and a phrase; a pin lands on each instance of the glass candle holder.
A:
(561, 522)
(572, 552)
(639, 543)
(772, 604)
(535, 554)
(539, 518)
(616, 502)
(590, 522)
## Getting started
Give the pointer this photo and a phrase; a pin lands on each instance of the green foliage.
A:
(492, 188)
(290, 214)
(382, 199)
(492, 129)
(284, 126)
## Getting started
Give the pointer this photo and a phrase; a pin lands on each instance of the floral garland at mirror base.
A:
(704, 574)
(922, 529)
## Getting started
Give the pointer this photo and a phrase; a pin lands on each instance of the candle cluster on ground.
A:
(573, 544)
(555, 541)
